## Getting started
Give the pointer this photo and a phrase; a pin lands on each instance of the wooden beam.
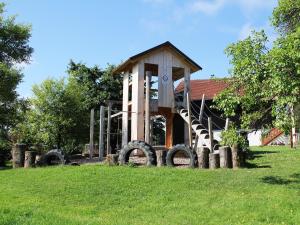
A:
(227, 123)
(189, 119)
(92, 121)
(108, 148)
(202, 108)
(187, 87)
(101, 134)
(211, 135)
(147, 107)
(138, 99)
(125, 109)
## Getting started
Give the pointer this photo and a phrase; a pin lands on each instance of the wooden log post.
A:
(101, 134)
(18, 155)
(226, 124)
(214, 160)
(203, 157)
(92, 122)
(108, 148)
(161, 157)
(211, 135)
(112, 159)
(238, 158)
(225, 157)
(29, 159)
(147, 107)
(38, 160)
(202, 108)
(189, 119)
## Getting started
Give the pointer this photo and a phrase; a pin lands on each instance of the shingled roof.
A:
(209, 87)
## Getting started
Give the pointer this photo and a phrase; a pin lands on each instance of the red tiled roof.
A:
(209, 87)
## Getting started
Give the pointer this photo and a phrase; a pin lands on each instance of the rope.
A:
(214, 113)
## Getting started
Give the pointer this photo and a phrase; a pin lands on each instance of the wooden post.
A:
(125, 109)
(161, 157)
(92, 121)
(203, 157)
(29, 159)
(151, 132)
(147, 107)
(211, 135)
(187, 88)
(108, 148)
(189, 119)
(225, 157)
(202, 108)
(227, 124)
(237, 158)
(101, 134)
(214, 160)
(293, 132)
(18, 155)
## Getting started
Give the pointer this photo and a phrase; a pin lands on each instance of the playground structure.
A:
(166, 64)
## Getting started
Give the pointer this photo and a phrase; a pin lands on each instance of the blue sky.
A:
(101, 32)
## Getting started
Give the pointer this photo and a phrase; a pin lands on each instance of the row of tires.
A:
(151, 158)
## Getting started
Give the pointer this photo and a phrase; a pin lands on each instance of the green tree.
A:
(14, 49)
(265, 83)
(57, 117)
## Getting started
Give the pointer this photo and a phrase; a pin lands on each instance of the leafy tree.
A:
(57, 117)
(265, 83)
(286, 17)
(97, 85)
(14, 49)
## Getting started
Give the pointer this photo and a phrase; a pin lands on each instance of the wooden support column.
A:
(227, 123)
(108, 148)
(211, 135)
(202, 108)
(137, 115)
(92, 121)
(101, 134)
(187, 88)
(147, 107)
(189, 119)
(169, 129)
(293, 131)
(125, 109)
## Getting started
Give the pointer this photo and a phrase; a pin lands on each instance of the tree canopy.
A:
(14, 49)
(265, 82)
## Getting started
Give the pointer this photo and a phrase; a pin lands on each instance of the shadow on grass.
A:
(258, 154)
(249, 165)
(277, 180)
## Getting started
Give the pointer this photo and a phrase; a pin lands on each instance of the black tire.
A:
(188, 152)
(55, 153)
(141, 145)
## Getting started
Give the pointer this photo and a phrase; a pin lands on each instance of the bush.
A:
(232, 137)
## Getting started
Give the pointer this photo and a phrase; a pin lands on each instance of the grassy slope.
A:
(123, 195)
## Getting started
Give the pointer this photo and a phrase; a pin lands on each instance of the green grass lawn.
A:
(266, 193)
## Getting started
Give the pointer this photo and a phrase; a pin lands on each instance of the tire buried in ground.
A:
(187, 151)
(147, 149)
(51, 155)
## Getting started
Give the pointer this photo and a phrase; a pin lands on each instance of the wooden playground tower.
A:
(168, 64)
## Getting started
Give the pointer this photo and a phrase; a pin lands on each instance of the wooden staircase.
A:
(272, 135)
(198, 128)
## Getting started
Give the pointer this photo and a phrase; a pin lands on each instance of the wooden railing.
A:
(272, 135)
